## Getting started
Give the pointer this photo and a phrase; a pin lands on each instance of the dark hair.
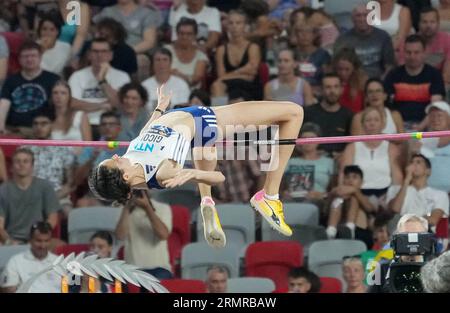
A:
(312, 278)
(57, 22)
(163, 51)
(108, 184)
(103, 234)
(42, 227)
(370, 81)
(110, 114)
(330, 75)
(415, 39)
(239, 12)
(24, 150)
(186, 21)
(381, 220)
(100, 40)
(306, 11)
(118, 31)
(428, 9)
(29, 45)
(353, 169)
(202, 95)
(311, 128)
(47, 112)
(424, 158)
(254, 8)
(133, 86)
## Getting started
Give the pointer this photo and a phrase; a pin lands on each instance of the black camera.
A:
(413, 244)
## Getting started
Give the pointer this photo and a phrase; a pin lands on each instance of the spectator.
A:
(4, 58)
(94, 88)
(199, 97)
(189, 62)
(303, 281)
(396, 20)
(69, 124)
(8, 15)
(216, 279)
(124, 57)
(288, 86)
(353, 272)
(435, 275)
(145, 226)
(329, 31)
(415, 6)
(309, 175)
(379, 160)
(351, 206)
(162, 64)
(53, 164)
(372, 45)
(140, 23)
(381, 236)
(133, 115)
(207, 18)
(414, 85)
(349, 68)
(29, 13)
(3, 171)
(17, 109)
(311, 57)
(444, 15)
(415, 196)
(376, 97)
(23, 266)
(237, 63)
(55, 53)
(332, 118)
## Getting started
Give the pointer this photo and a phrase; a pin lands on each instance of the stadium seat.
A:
(68, 249)
(273, 259)
(330, 285)
(180, 236)
(197, 257)
(6, 252)
(250, 285)
(184, 285)
(84, 222)
(238, 223)
(187, 198)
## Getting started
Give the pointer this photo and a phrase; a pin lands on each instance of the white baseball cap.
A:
(440, 105)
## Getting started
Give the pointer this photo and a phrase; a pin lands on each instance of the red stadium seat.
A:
(14, 40)
(330, 285)
(442, 228)
(273, 259)
(184, 285)
(121, 253)
(180, 236)
(263, 73)
(68, 249)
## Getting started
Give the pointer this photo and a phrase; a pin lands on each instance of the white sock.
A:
(331, 232)
(272, 197)
(352, 227)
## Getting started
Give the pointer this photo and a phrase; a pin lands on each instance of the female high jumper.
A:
(155, 159)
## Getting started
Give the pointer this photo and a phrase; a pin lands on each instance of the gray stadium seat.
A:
(197, 257)
(187, 198)
(238, 223)
(6, 252)
(84, 222)
(250, 285)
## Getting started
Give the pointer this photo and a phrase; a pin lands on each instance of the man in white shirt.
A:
(207, 18)
(414, 196)
(94, 88)
(162, 64)
(25, 265)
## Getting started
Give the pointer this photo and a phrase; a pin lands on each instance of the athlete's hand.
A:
(181, 177)
(163, 99)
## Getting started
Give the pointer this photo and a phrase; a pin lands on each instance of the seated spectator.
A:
(3, 171)
(124, 57)
(140, 24)
(207, 18)
(444, 15)
(4, 59)
(435, 275)
(94, 88)
(69, 124)
(354, 272)
(133, 115)
(24, 200)
(189, 62)
(303, 281)
(145, 226)
(332, 118)
(23, 266)
(376, 97)
(349, 68)
(415, 196)
(379, 160)
(381, 236)
(415, 6)
(309, 175)
(351, 207)
(16, 108)
(216, 279)
(55, 53)
(288, 86)
(53, 164)
(237, 63)
(29, 13)
(7, 15)
(199, 97)
(372, 45)
(162, 64)
(329, 32)
(414, 85)
(311, 57)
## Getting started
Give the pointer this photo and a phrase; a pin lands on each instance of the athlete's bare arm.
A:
(163, 104)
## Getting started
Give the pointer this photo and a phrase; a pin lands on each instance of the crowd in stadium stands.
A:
(96, 79)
